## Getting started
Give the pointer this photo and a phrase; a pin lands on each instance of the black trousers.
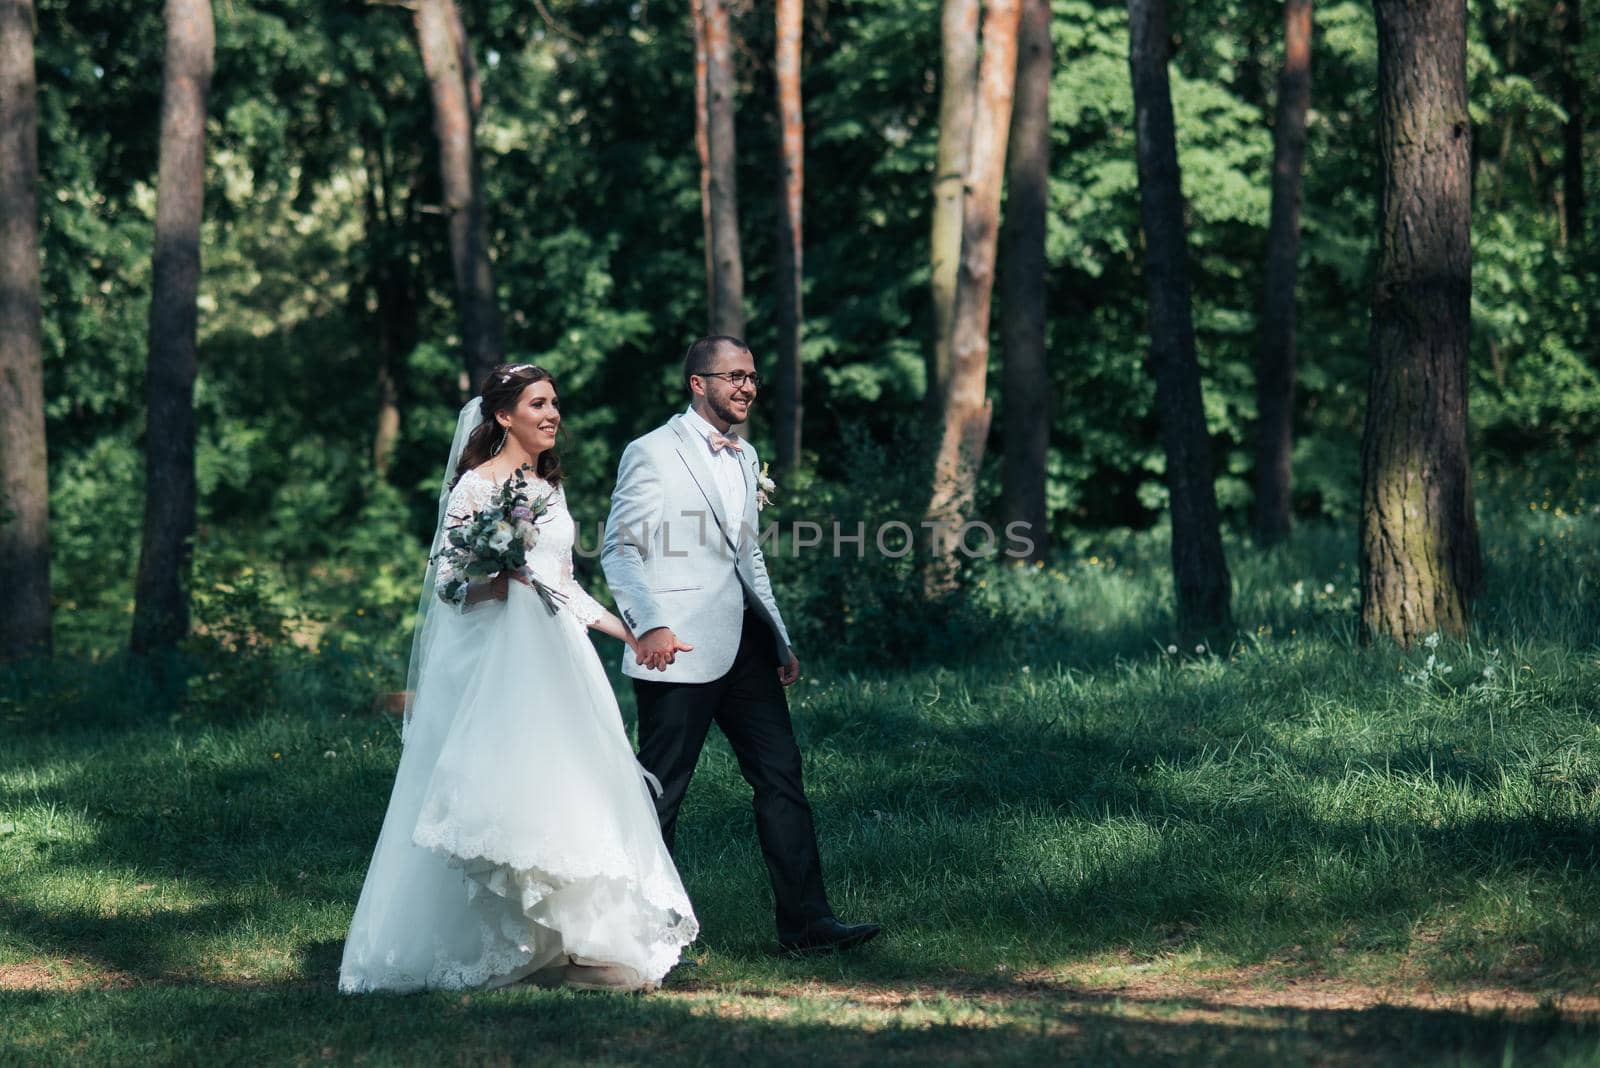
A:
(749, 707)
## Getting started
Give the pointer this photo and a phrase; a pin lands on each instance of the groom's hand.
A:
(658, 648)
(788, 673)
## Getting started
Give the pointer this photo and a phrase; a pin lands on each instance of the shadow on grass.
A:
(1231, 870)
(960, 787)
(865, 1025)
(146, 945)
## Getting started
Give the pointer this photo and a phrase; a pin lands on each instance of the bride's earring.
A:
(505, 432)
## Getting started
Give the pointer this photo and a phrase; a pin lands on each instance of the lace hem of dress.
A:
(461, 850)
(503, 954)
(494, 962)
(525, 879)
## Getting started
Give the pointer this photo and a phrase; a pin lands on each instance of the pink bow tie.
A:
(718, 443)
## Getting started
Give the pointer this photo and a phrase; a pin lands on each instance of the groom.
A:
(690, 581)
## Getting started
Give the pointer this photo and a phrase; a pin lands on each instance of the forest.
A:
(1273, 323)
(334, 332)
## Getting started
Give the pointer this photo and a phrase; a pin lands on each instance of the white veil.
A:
(428, 620)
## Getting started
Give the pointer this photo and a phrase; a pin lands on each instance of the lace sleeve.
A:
(470, 494)
(584, 609)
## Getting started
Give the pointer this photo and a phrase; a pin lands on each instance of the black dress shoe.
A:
(828, 935)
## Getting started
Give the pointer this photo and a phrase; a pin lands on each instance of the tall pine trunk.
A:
(453, 85)
(791, 256)
(958, 91)
(161, 609)
(391, 300)
(1572, 103)
(1420, 563)
(727, 304)
(24, 470)
(1200, 570)
(1025, 375)
(967, 408)
(1275, 359)
(702, 146)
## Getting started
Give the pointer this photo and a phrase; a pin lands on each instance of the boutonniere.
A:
(764, 486)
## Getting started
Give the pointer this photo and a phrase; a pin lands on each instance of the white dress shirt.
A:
(727, 464)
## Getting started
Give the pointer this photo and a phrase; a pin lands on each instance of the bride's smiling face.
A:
(534, 419)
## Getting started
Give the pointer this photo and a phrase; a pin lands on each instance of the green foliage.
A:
(831, 587)
(325, 256)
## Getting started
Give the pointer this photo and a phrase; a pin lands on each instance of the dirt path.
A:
(1130, 989)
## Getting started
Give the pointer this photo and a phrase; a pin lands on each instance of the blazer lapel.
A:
(748, 468)
(691, 450)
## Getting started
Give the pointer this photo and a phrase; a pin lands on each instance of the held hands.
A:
(658, 648)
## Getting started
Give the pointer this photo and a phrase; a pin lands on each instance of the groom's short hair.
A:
(703, 354)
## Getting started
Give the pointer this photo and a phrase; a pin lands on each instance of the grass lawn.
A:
(1083, 846)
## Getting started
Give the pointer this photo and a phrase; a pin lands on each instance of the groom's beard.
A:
(724, 410)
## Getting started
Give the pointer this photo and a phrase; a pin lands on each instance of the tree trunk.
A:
(24, 470)
(702, 147)
(958, 92)
(791, 257)
(1508, 126)
(392, 307)
(727, 306)
(161, 610)
(387, 434)
(1200, 570)
(967, 408)
(1419, 538)
(1275, 361)
(1025, 378)
(1572, 102)
(453, 84)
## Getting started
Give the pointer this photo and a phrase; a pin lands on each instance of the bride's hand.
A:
(493, 589)
(501, 583)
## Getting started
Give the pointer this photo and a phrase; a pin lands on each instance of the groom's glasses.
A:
(736, 379)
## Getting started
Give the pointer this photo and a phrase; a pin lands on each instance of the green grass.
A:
(1082, 846)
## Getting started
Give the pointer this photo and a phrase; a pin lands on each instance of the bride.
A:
(521, 840)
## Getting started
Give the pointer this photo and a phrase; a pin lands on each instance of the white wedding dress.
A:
(521, 831)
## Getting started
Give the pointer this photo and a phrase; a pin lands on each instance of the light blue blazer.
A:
(673, 559)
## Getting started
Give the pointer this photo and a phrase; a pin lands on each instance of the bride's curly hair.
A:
(499, 393)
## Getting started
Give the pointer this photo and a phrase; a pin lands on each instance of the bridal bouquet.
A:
(495, 538)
